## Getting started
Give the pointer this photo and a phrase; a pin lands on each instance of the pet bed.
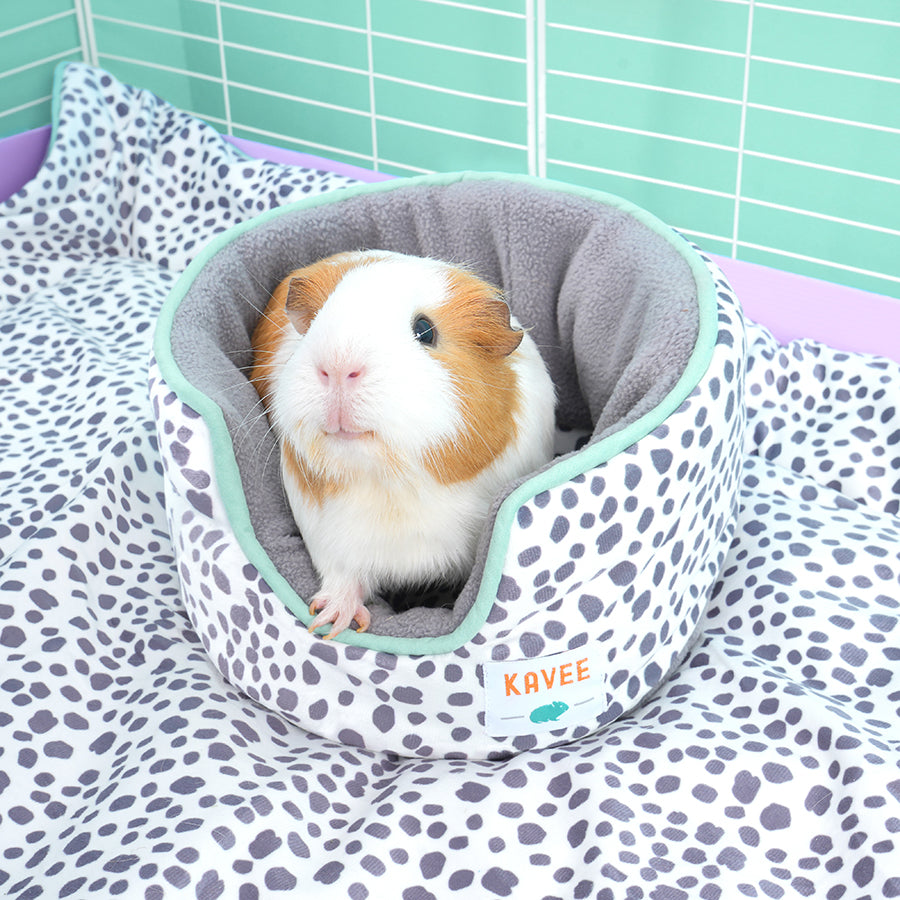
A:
(592, 573)
(764, 765)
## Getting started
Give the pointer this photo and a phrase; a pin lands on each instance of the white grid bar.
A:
(225, 93)
(338, 26)
(475, 8)
(818, 13)
(306, 60)
(162, 67)
(36, 23)
(828, 70)
(284, 95)
(812, 214)
(855, 123)
(531, 86)
(157, 29)
(739, 175)
(829, 263)
(434, 45)
(86, 31)
(657, 135)
(12, 110)
(540, 99)
(499, 101)
(370, 54)
(646, 179)
(278, 137)
(643, 39)
(405, 165)
(40, 62)
(837, 170)
(479, 138)
(704, 235)
(656, 88)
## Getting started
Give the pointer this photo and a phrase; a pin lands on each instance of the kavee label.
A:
(546, 693)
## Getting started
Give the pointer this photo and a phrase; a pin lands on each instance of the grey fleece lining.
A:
(611, 303)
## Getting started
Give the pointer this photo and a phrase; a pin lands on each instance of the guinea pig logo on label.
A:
(545, 693)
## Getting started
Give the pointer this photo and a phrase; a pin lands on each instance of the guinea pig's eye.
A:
(424, 331)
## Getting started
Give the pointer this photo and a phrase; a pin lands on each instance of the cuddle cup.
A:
(592, 573)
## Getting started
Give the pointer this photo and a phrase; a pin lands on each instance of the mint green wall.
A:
(769, 131)
(34, 37)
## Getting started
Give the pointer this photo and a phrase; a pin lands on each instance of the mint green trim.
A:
(225, 465)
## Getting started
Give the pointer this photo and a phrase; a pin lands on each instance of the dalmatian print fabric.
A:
(766, 765)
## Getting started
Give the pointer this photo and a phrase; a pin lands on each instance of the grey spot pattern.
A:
(828, 415)
(764, 765)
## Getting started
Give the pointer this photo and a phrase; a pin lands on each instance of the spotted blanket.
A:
(766, 766)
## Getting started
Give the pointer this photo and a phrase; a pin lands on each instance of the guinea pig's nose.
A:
(339, 375)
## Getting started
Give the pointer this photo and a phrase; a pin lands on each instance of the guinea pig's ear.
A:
(307, 289)
(488, 327)
(477, 310)
(302, 302)
(493, 331)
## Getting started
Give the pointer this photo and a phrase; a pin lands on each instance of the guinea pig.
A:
(403, 397)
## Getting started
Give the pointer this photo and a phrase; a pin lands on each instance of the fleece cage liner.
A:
(164, 706)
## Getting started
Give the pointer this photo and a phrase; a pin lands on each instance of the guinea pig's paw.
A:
(339, 608)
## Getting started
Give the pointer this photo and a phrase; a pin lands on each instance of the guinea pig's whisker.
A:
(282, 329)
(267, 287)
(255, 414)
(249, 302)
(259, 411)
(244, 433)
(548, 346)
(274, 448)
(222, 371)
(240, 369)
(265, 284)
(262, 311)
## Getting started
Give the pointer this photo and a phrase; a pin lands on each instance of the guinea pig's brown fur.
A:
(484, 379)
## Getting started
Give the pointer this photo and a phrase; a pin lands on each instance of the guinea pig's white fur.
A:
(392, 448)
